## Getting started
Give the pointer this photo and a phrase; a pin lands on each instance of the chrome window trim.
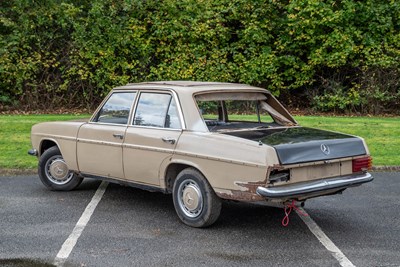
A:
(180, 112)
(94, 115)
(138, 91)
(107, 123)
(173, 94)
(154, 128)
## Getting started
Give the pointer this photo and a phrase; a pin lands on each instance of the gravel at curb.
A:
(386, 168)
(15, 172)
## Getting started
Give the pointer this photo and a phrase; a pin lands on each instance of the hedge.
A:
(341, 56)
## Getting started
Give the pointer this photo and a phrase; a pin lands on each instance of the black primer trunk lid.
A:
(300, 144)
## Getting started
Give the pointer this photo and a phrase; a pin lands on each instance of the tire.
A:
(195, 201)
(54, 173)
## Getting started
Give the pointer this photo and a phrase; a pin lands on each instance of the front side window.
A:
(116, 109)
(157, 110)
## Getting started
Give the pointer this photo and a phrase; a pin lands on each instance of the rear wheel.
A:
(54, 172)
(195, 201)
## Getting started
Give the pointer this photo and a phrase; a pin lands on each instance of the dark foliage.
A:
(341, 56)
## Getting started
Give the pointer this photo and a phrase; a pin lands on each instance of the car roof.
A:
(190, 86)
(186, 90)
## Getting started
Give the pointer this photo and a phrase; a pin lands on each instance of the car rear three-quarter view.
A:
(202, 142)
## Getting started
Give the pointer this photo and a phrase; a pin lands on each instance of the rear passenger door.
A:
(151, 137)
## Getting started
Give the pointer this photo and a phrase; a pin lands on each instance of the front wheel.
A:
(195, 201)
(54, 172)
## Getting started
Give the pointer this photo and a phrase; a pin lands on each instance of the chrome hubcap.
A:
(57, 170)
(190, 198)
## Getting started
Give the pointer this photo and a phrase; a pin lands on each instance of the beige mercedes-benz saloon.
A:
(201, 142)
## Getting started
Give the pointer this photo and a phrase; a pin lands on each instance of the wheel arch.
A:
(172, 171)
(46, 144)
(66, 150)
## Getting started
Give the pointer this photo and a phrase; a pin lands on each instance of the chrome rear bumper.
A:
(314, 187)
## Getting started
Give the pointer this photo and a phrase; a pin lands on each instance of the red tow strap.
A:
(288, 209)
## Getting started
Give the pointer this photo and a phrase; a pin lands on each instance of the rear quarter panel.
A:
(231, 165)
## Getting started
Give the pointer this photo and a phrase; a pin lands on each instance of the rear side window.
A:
(117, 108)
(157, 110)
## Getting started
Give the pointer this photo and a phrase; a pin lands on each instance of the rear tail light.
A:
(362, 164)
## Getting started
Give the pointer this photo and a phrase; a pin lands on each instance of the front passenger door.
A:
(99, 146)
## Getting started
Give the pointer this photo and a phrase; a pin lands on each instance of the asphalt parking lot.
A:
(130, 227)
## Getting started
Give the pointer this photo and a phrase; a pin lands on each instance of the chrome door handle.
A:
(169, 140)
(120, 136)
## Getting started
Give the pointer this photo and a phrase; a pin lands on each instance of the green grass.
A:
(381, 134)
(15, 138)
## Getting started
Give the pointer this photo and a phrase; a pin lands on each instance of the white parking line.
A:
(324, 239)
(70, 243)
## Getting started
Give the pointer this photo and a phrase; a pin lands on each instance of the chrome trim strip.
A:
(126, 182)
(148, 148)
(294, 190)
(194, 155)
(89, 141)
(54, 136)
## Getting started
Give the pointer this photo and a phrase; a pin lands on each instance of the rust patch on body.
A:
(248, 193)
(251, 186)
(275, 167)
(238, 195)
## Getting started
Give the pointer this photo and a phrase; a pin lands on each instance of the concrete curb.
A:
(15, 172)
(386, 168)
